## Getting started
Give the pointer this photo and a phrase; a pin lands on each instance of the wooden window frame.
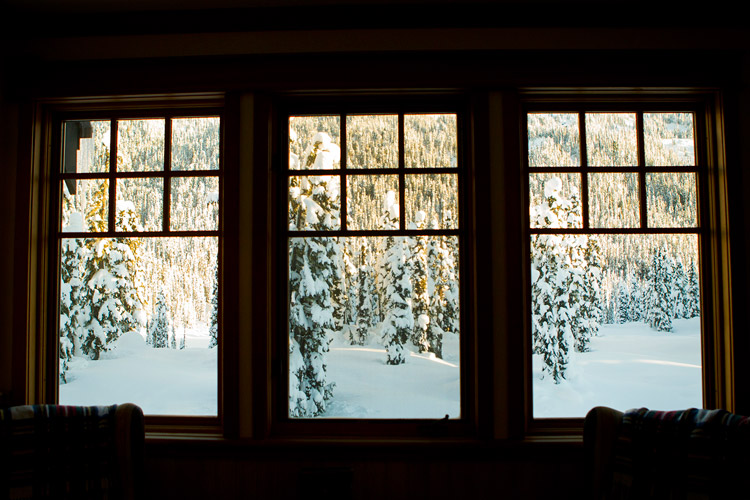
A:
(280, 423)
(498, 398)
(42, 372)
(710, 226)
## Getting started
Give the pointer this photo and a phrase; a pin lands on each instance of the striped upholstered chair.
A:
(693, 454)
(71, 452)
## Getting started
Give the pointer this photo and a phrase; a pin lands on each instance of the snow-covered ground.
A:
(366, 387)
(161, 381)
(629, 366)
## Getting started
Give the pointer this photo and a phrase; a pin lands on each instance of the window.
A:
(376, 269)
(138, 238)
(372, 235)
(616, 225)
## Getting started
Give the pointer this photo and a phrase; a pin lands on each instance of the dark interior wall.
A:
(349, 472)
(8, 155)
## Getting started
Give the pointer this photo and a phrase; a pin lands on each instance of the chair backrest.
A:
(71, 452)
(693, 453)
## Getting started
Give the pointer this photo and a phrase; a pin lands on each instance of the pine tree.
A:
(74, 299)
(589, 312)
(636, 311)
(182, 341)
(659, 293)
(422, 286)
(679, 291)
(693, 304)
(160, 324)
(566, 277)
(365, 295)
(314, 205)
(623, 303)
(396, 289)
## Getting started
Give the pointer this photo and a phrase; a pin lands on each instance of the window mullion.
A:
(641, 170)
(166, 224)
(343, 177)
(401, 175)
(584, 172)
(112, 176)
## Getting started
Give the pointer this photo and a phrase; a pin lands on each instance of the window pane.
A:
(85, 205)
(372, 202)
(195, 204)
(613, 200)
(372, 141)
(139, 204)
(555, 200)
(138, 323)
(554, 140)
(611, 139)
(140, 145)
(314, 142)
(672, 199)
(615, 322)
(315, 203)
(669, 139)
(432, 201)
(86, 148)
(377, 336)
(195, 143)
(430, 141)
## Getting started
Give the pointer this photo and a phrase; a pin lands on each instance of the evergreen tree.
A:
(679, 291)
(160, 324)
(396, 289)
(365, 295)
(110, 273)
(659, 293)
(314, 205)
(74, 302)
(182, 341)
(422, 286)
(693, 304)
(589, 314)
(623, 303)
(636, 311)
(566, 276)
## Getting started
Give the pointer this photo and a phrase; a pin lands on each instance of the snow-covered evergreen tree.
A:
(422, 287)
(565, 277)
(623, 303)
(160, 324)
(693, 304)
(110, 273)
(589, 312)
(659, 293)
(396, 290)
(679, 291)
(314, 205)
(637, 309)
(365, 295)
(182, 341)
(74, 301)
